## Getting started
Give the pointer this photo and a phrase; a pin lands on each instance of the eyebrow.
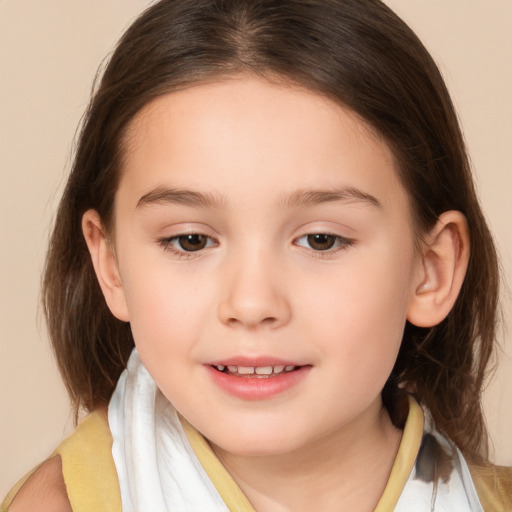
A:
(162, 195)
(306, 197)
(298, 198)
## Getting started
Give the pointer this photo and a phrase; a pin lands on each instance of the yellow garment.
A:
(87, 467)
(91, 479)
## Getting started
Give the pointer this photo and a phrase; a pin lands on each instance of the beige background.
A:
(49, 51)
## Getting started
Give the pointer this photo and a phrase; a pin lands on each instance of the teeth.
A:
(264, 370)
(246, 370)
(258, 370)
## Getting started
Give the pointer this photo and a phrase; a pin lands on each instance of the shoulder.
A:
(44, 490)
(494, 486)
(81, 476)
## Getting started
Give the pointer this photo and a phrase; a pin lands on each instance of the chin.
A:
(256, 443)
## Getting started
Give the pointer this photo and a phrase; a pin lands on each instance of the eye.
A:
(191, 242)
(323, 241)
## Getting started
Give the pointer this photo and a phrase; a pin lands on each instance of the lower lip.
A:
(254, 388)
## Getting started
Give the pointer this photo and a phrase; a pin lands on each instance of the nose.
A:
(254, 294)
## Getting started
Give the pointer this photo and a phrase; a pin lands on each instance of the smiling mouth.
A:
(255, 372)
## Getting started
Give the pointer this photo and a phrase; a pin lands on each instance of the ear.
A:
(105, 264)
(441, 272)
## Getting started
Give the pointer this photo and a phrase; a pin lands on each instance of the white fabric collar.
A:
(157, 468)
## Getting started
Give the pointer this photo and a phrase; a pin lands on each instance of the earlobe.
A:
(105, 264)
(441, 271)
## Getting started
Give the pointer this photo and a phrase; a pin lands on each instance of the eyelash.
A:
(167, 244)
(341, 243)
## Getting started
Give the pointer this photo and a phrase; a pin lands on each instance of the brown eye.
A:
(321, 241)
(193, 242)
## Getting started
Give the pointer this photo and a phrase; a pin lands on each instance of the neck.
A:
(346, 470)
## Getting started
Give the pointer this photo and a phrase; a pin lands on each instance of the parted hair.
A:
(356, 52)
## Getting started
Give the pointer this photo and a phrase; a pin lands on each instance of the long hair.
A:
(356, 52)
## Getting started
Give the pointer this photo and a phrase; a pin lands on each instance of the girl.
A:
(270, 281)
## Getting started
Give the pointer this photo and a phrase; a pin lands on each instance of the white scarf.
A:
(455, 494)
(158, 470)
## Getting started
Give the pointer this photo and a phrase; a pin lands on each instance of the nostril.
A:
(249, 321)
(254, 310)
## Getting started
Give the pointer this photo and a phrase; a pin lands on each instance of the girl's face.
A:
(266, 262)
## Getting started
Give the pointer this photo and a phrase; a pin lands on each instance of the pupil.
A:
(321, 242)
(192, 242)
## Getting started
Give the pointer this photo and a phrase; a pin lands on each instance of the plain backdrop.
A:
(49, 52)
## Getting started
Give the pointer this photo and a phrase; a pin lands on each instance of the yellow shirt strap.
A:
(87, 464)
(405, 458)
(228, 489)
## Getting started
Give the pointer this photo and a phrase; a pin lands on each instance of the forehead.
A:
(245, 135)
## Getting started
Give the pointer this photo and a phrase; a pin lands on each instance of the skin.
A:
(45, 490)
(261, 288)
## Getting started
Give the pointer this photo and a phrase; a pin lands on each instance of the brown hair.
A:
(357, 52)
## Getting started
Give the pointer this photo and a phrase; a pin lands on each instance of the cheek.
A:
(164, 311)
(164, 327)
(360, 312)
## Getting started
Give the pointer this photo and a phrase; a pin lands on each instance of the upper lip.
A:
(254, 361)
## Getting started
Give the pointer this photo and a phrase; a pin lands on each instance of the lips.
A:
(256, 379)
